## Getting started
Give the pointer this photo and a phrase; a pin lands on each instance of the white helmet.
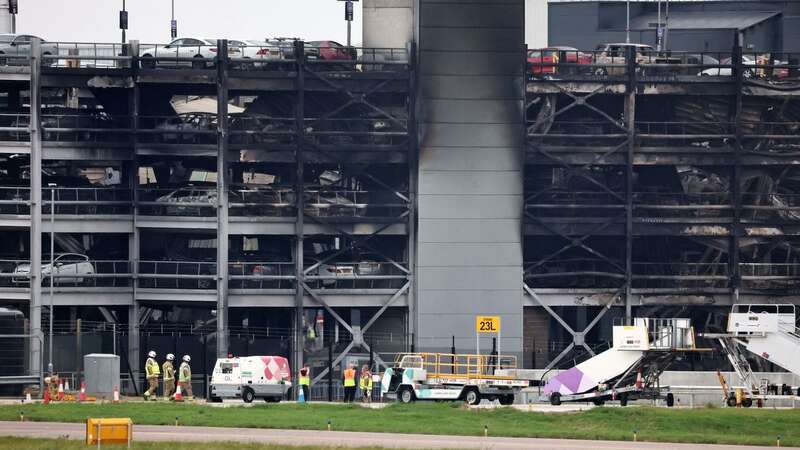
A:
(170, 357)
(186, 358)
(152, 354)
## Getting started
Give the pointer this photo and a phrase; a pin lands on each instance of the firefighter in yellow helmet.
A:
(185, 377)
(169, 376)
(151, 371)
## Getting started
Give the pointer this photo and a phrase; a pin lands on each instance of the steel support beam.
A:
(735, 182)
(299, 115)
(35, 247)
(134, 239)
(222, 198)
(630, 120)
(413, 173)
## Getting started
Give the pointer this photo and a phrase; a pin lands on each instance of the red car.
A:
(546, 60)
(333, 51)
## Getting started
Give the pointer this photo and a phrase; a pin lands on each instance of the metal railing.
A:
(87, 200)
(10, 277)
(770, 275)
(262, 202)
(573, 273)
(15, 200)
(261, 275)
(254, 130)
(191, 201)
(574, 204)
(680, 204)
(75, 55)
(356, 275)
(680, 275)
(177, 274)
(189, 128)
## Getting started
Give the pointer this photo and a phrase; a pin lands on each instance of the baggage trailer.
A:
(446, 376)
(630, 369)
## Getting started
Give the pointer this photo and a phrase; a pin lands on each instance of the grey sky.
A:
(97, 20)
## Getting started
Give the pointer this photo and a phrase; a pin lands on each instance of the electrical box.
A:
(102, 374)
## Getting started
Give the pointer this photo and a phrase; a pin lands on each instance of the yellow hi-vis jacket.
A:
(305, 380)
(349, 378)
(169, 371)
(365, 382)
(185, 375)
(151, 368)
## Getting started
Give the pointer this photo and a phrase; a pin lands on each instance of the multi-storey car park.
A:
(356, 208)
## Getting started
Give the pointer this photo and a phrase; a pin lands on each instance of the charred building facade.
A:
(345, 204)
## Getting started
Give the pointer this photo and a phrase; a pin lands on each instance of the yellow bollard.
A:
(486, 431)
(21, 416)
(176, 421)
(329, 425)
(635, 436)
(779, 441)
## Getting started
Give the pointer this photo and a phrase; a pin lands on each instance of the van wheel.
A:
(148, 62)
(248, 395)
(555, 399)
(406, 395)
(507, 399)
(472, 397)
(215, 399)
(623, 399)
(670, 400)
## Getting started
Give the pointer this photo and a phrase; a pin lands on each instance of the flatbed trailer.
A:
(451, 377)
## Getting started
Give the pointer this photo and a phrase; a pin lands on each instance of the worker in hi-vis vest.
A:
(365, 383)
(349, 383)
(151, 373)
(305, 381)
(185, 377)
(169, 376)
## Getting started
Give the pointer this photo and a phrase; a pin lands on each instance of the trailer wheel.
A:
(731, 401)
(507, 399)
(406, 395)
(472, 397)
(599, 401)
(748, 402)
(555, 399)
(670, 400)
(248, 395)
(623, 399)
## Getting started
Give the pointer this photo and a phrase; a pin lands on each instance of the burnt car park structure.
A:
(342, 207)
(295, 204)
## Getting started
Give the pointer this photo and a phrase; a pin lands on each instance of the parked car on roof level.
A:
(750, 68)
(546, 60)
(333, 51)
(69, 269)
(193, 52)
(615, 54)
(15, 49)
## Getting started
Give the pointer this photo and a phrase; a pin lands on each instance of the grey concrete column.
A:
(222, 198)
(387, 23)
(299, 114)
(36, 210)
(471, 119)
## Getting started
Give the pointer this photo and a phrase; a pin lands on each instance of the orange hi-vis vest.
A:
(349, 377)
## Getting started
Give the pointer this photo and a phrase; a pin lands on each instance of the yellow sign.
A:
(487, 324)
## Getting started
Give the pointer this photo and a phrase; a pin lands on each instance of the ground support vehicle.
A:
(445, 376)
(630, 369)
(769, 332)
(250, 377)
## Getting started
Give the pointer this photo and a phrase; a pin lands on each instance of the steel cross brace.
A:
(578, 337)
(581, 100)
(354, 99)
(347, 326)
(573, 243)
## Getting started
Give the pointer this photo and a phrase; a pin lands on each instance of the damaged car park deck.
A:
(276, 198)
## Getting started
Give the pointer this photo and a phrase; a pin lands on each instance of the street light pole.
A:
(628, 21)
(348, 16)
(52, 271)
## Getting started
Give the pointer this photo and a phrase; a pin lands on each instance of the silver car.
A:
(15, 49)
(68, 268)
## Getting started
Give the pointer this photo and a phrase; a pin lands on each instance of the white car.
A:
(194, 52)
(749, 71)
(69, 269)
(260, 52)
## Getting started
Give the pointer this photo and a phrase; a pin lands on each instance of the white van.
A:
(251, 377)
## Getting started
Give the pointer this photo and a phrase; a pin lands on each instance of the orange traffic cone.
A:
(82, 395)
(116, 394)
(60, 390)
(178, 395)
(46, 398)
(639, 381)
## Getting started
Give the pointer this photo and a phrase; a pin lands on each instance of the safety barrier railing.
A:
(262, 202)
(19, 54)
(276, 56)
(324, 58)
(188, 201)
(574, 273)
(188, 128)
(573, 129)
(87, 200)
(683, 205)
(261, 275)
(356, 275)
(74, 271)
(379, 131)
(349, 203)
(574, 204)
(771, 66)
(73, 55)
(94, 127)
(684, 130)
(449, 364)
(15, 200)
(15, 127)
(771, 206)
(770, 275)
(680, 275)
(258, 131)
(177, 274)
